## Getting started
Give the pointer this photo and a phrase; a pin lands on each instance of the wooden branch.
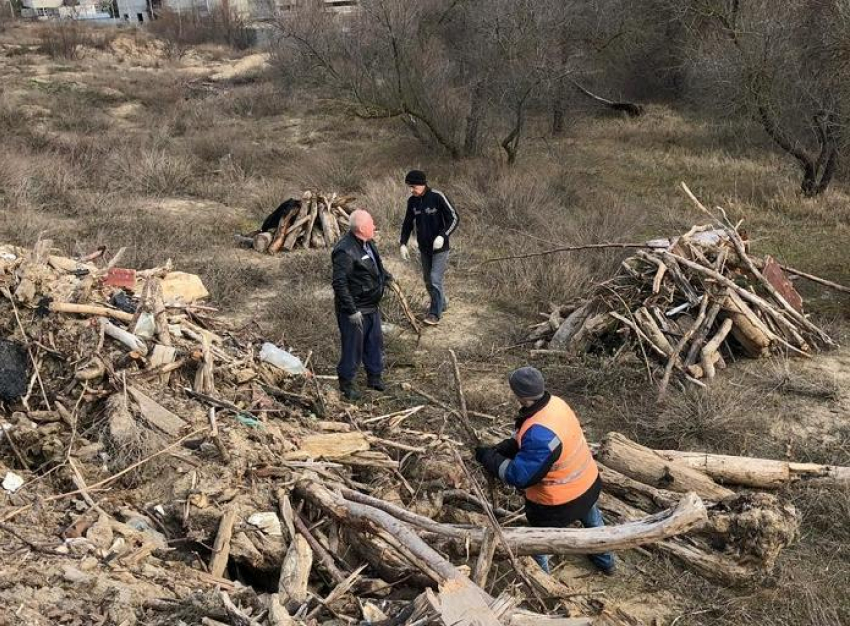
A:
(748, 263)
(702, 330)
(131, 341)
(485, 559)
(591, 246)
(221, 547)
(388, 528)
(405, 307)
(710, 350)
(88, 309)
(746, 295)
(461, 398)
(236, 617)
(295, 573)
(222, 449)
(644, 465)
(813, 278)
(325, 558)
(680, 345)
(630, 108)
(689, 513)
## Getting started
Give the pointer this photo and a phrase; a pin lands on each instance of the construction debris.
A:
(163, 472)
(685, 305)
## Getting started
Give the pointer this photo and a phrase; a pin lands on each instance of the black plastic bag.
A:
(14, 370)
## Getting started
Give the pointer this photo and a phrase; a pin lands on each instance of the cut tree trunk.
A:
(759, 473)
(646, 466)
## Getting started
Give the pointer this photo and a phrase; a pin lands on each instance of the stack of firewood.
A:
(319, 222)
(683, 303)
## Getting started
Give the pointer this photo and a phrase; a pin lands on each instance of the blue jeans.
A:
(366, 346)
(593, 519)
(433, 269)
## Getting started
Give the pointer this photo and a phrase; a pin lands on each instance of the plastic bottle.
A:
(282, 359)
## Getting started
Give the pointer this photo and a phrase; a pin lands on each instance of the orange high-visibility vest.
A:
(575, 470)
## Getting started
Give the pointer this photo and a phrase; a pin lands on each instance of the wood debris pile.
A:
(684, 303)
(317, 222)
(157, 470)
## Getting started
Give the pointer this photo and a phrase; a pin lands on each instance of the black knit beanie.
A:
(415, 177)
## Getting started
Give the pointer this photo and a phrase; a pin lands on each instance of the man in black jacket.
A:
(435, 220)
(359, 279)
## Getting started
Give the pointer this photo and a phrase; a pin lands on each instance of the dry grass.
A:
(783, 376)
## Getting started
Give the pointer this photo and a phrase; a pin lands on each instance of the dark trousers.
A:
(366, 346)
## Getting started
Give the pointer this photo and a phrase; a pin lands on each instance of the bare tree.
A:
(777, 60)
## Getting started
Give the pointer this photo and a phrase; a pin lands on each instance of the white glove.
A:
(438, 242)
(356, 319)
(405, 253)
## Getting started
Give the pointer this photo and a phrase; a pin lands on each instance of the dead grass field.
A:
(126, 146)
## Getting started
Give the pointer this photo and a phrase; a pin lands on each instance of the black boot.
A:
(349, 390)
(375, 382)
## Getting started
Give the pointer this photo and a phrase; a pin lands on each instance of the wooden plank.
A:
(156, 414)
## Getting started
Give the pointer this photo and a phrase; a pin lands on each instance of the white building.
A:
(135, 11)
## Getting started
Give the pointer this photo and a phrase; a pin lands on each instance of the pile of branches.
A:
(683, 303)
(318, 221)
(155, 446)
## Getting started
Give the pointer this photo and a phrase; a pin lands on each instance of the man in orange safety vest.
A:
(549, 459)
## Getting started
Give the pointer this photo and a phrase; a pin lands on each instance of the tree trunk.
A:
(472, 138)
(760, 473)
(687, 514)
(646, 466)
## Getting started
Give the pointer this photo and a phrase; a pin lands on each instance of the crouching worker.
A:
(550, 460)
(359, 279)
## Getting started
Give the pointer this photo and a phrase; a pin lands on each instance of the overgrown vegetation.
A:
(156, 160)
(179, 30)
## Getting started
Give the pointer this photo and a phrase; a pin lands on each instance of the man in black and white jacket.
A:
(435, 220)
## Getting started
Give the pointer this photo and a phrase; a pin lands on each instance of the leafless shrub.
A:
(155, 171)
(221, 25)
(63, 40)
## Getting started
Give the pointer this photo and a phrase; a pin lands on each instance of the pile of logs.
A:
(319, 222)
(684, 303)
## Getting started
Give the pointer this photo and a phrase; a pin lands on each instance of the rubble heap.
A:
(159, 468)
(682, 303)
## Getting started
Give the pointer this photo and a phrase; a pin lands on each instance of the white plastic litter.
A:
(282, 359)
(268, 522)
(12, 482)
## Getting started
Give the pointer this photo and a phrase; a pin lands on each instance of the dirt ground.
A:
(171, 158)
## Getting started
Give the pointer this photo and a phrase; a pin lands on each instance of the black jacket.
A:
(272, 221)
(358, 282)
(434, 216)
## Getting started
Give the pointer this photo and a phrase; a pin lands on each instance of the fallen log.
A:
(760, 473)
(646, 466)
(708, 564)
(689, 513)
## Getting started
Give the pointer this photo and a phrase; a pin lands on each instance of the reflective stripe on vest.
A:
(575, 471)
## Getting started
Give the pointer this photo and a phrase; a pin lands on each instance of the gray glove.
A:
(356, 319)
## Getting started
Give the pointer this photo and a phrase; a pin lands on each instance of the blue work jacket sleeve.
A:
(539, 449)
